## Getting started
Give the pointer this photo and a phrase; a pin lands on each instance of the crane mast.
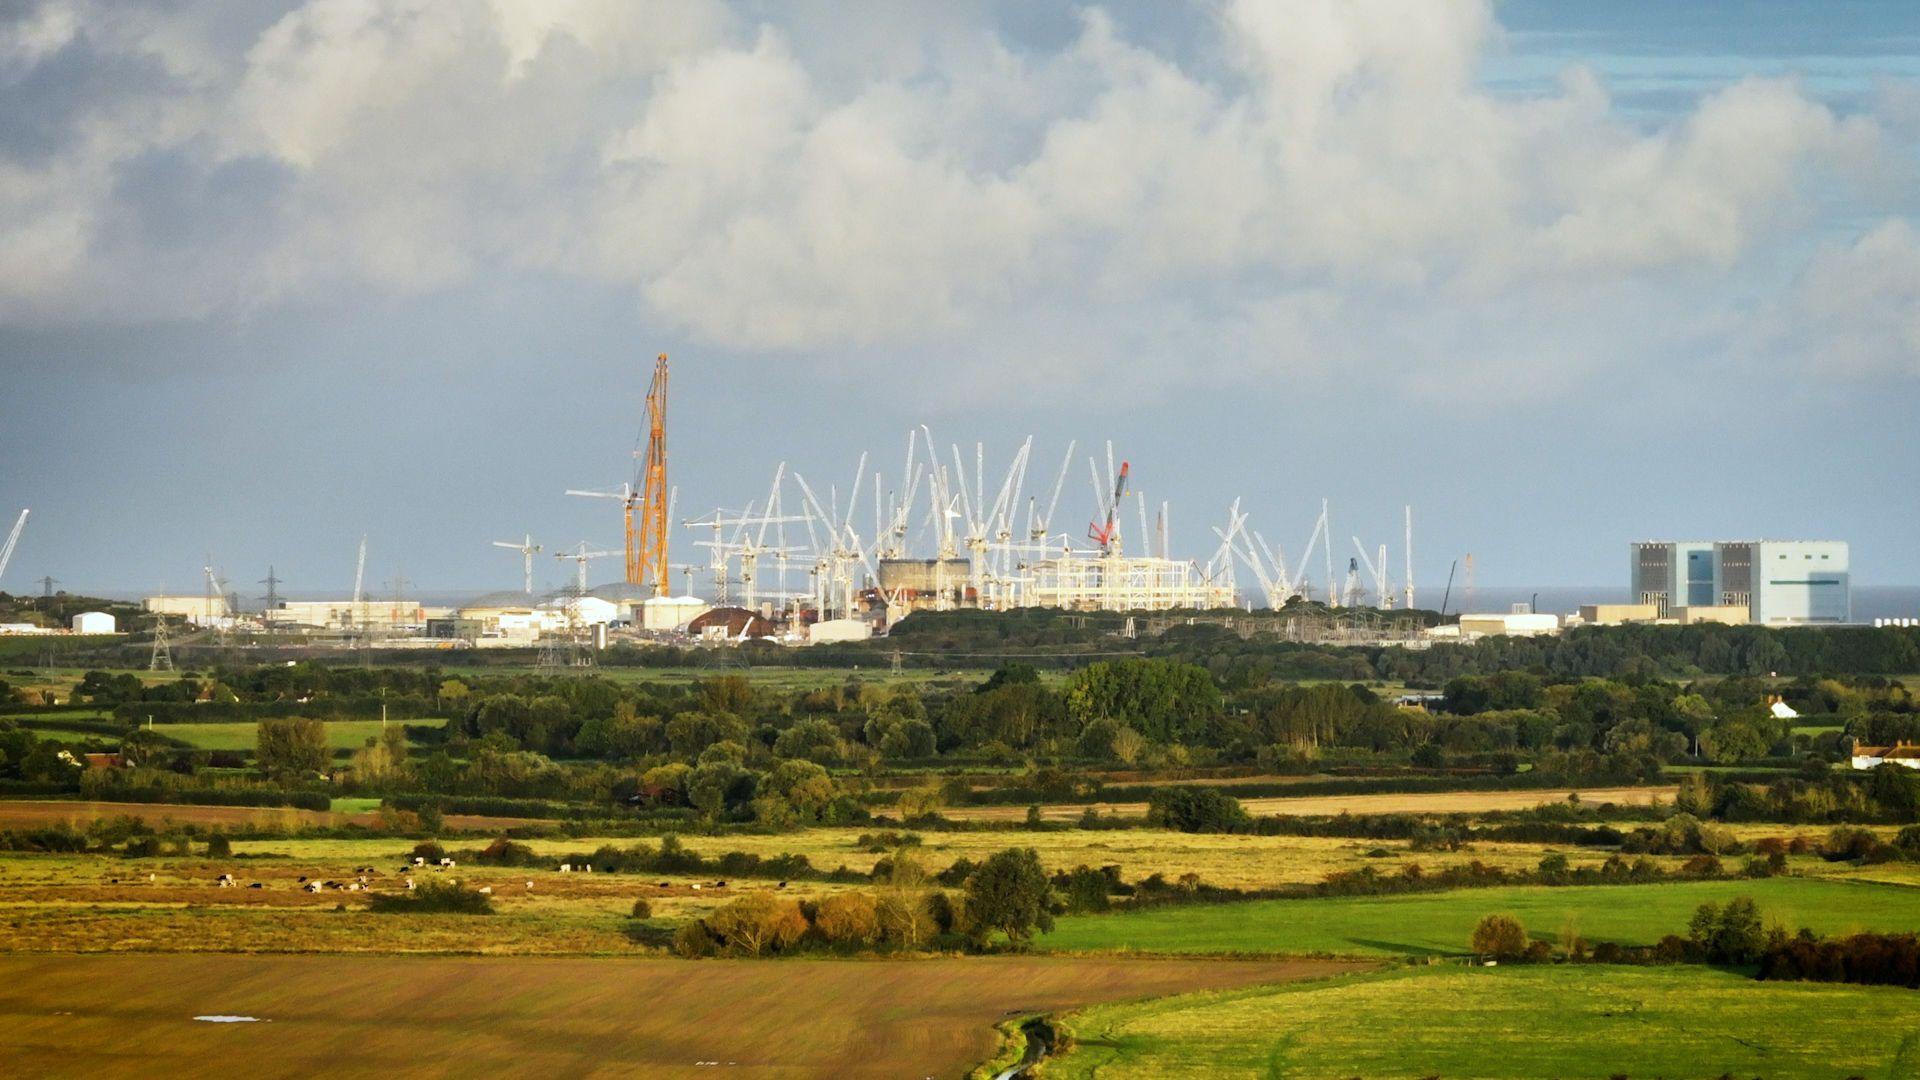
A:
(647, 548)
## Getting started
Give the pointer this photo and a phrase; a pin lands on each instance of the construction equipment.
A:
(1107, 533)
(647, 560)
(581, 554)
(648, 499)
(355, 615)
(13, 538)
(527, 549)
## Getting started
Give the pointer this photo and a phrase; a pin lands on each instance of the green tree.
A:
(1500, 937)
(291, 748)
(1009, 893)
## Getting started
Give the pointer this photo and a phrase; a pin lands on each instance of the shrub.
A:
(219, 847)
(1196, 809)
(642, 909)
(693, 940)
(1499, 936)
(143, 847)
(849, 918)
(429, 850)
(758, 923)
(505, 852)
(434, 897)
(1702, 866)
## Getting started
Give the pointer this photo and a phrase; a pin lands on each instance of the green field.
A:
(1518, 1022)
(341, 734)
(1425, 924)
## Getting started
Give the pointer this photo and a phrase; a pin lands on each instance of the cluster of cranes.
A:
(999, 546)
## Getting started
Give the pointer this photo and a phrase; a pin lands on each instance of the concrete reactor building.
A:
(1774, 582)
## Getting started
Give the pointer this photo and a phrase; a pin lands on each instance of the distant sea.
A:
(1870, 602)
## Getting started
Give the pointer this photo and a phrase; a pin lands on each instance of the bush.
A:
(143, 847)
(435, 898)
(1196, 809)
(849, 918)
(693, 940)
(758, 923)
(1500, 937)
(505, 852)
(429, 850)
(642, 909)
(219, 847)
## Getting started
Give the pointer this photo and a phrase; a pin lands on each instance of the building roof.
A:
(1897, 750)
(620, 592)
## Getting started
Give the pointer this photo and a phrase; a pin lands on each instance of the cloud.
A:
(1855, 309)
(1323, 189)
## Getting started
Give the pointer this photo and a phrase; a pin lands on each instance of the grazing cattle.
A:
(225, 880)
(589, 868)
(696, 886)
(419, 860)
(256, 885)
(529, 884)
(409, 884)
(447, 862)
(782, 885)
(303, 877)
(719, 884)
(664, 884)
(486, 890)
(313, 886)
(566, 868)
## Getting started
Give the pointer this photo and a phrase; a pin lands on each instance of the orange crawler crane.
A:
(647, 546)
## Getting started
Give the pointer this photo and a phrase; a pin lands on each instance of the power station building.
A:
(1776, 582)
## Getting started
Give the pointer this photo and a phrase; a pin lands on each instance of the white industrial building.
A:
(94, 622)
(663, 614)
(1509, 624)
(1778, 582)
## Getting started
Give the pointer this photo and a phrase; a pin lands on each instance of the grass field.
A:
(1440, 923)
(1511, 1022)
(476, 1017)
(1438, 802)
(341, 734)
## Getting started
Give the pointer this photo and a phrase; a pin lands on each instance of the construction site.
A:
(845, 559)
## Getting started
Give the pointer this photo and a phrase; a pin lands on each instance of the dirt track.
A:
(367, 1016)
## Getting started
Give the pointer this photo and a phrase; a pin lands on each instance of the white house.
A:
(1872, 757)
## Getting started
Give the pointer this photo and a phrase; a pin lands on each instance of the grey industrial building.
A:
(1778, 582)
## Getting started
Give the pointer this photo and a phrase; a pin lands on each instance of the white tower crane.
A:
(581, 554)
(356, 615)
(527, 549)
(13, 538)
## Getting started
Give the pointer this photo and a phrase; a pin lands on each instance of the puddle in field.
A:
(222, 1019)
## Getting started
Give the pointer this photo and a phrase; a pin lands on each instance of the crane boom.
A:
(13, 538)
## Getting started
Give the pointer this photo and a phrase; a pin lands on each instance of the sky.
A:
(1560, 276)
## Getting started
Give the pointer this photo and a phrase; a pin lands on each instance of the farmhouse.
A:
(1871, 757)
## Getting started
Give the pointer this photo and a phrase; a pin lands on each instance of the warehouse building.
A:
(1776, 582)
